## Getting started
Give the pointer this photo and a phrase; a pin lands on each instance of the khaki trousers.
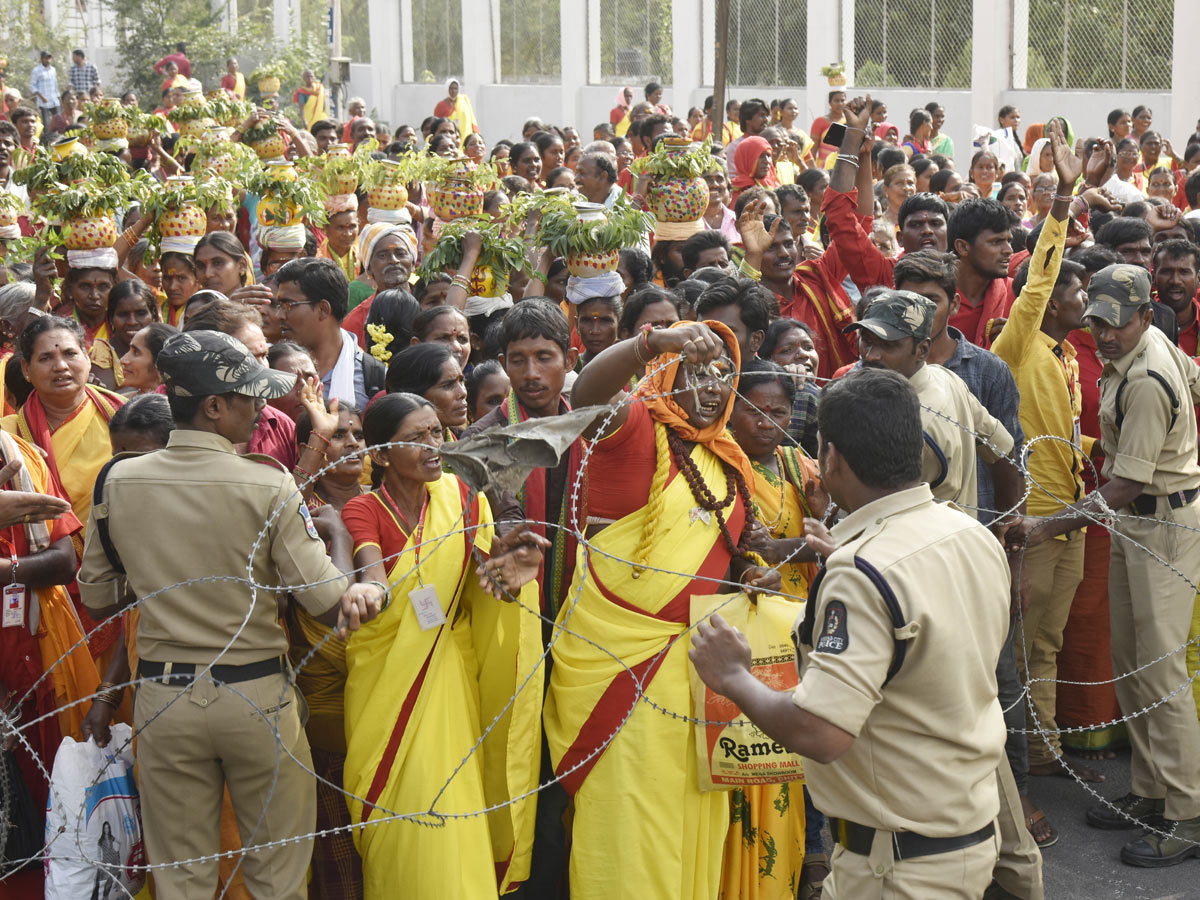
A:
(1055, 570)
(1019, 867)
(212, 737)
(957, 875)
(1151, 611)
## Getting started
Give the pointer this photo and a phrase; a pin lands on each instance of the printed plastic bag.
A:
(738, 754)
(93, 821)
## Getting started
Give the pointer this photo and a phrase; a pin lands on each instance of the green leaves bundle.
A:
(667, 161)
(502, 254)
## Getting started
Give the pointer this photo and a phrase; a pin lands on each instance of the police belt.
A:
(905, 844)
(183, 674)
(1147, 504)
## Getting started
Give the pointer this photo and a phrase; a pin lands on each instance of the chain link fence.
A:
(437, 39)
(635, 42)
(1100, 44)
(912, 43)
(767, 43)
(529, 41)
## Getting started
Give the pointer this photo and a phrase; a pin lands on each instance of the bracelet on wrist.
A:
(386, 597)
(318, 450)
(320, 437)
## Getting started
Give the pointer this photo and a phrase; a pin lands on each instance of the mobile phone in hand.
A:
(834, 135)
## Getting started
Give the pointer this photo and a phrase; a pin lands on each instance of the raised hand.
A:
(1066, 163)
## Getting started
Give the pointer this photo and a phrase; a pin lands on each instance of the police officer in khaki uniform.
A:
(896, 707)
(893, 333)
(196, 509)
(1148, 436)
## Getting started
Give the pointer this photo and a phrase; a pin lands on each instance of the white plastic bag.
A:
(94, 822)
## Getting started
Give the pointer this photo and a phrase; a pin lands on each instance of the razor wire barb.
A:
(12, 728)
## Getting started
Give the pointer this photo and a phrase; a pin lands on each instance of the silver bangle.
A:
(849, 160)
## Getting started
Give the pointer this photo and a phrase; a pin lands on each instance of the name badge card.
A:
(427, 607)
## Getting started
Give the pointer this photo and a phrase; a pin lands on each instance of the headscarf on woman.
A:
(656, 390)
(1033, 133)
(1033, 162)
(461, 112)
(745, 160)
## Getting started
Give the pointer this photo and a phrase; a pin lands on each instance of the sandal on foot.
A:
(1051, 839)
(813, 872)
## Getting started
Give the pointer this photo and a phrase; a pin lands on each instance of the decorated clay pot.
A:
(110, 129)
(838, 80)
(281, 170)
(91, 233)
(8, 216)
(139, 139)
(269, 85)
(454, 200)
(678, 199)
(338, 151)
(485, 282)
(272, 147)
(392, 193)
(273, 212)
(589, 265)
(222, 165)
(388, 196)
(186, 221)
(195, 127)
(461, 167)
(61, 149)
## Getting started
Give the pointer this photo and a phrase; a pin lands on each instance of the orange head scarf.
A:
(655, 390)
(749, 151)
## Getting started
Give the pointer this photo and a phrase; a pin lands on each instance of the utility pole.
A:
(717, 114)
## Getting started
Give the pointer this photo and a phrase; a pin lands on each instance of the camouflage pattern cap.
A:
(201, 363)
(1116, 292)
(895, 315)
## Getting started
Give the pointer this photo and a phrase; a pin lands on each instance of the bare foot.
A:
(1039, 826)
(1091, 754)
(1060, 769)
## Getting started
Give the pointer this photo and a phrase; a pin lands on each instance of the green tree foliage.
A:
(635, 42)
(912, 43)
(1104, 50)
(148, 29)
(529, 41)
(767, 43)
(23, 35)
(437, 39)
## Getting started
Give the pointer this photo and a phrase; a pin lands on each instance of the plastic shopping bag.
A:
(93, 821)
(739, 753)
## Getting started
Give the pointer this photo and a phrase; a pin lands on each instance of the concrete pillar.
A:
(384, 20)
(686, 55)
(481, 44)
(1020, 45)
(1185, 71)
(572, 36)
(991, 50)
(824, 26)
(281, 21)
(708, 39)
(407, 72)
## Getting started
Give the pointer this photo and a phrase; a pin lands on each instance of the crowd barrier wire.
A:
(11, 728)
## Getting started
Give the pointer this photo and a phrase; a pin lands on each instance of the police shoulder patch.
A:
(309, 525)
(834, 636)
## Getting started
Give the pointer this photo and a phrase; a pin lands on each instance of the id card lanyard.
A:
(14, 597)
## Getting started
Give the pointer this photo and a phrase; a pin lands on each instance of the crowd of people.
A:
(943, 398)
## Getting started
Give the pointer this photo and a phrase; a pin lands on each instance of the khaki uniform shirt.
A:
(952, 418)
(928, 743)
(1155, 444)
(196, 509)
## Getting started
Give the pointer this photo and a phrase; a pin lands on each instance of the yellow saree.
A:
(416, 704)
(641, 827)
(764, 849)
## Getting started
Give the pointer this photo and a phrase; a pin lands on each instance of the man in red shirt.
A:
(978, 233)
(809, 290)
(179, 57)
(1176, 281)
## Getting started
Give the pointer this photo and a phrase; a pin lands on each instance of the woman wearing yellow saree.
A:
(641, 827)
(444, 662)
(766, 854)
(456, 107)
(68, 419)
